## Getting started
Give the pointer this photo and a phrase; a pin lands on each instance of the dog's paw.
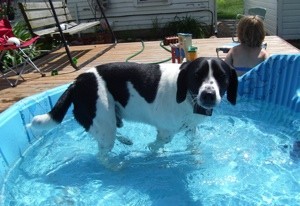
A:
(124, 140)
(111, 163)
(155, 147)
(295, 152)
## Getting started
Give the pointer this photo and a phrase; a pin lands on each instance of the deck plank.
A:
(152, 53)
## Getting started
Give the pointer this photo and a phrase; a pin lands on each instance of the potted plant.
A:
(7, 10)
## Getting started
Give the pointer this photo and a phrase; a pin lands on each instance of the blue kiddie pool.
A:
(248, 154)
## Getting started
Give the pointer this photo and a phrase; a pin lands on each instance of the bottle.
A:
(192, 53)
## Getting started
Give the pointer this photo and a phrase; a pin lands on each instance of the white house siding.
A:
(127, 15)
(289, 19)
(271, 15)
(282, 18)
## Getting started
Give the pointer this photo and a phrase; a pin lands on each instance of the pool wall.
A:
(15, 136)
(277, 80)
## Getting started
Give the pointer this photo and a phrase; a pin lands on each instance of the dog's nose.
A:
(208, 97)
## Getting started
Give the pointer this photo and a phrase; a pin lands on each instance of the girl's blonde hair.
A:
(251, 31)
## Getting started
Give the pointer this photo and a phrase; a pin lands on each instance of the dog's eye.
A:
(221, 77)
(199, 76)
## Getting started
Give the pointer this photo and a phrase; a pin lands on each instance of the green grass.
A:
(228, 9)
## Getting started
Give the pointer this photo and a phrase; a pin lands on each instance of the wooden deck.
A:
(34, 83)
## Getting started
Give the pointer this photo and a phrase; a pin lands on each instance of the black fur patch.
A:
(198, 72)
(60, 109)
(144, 78)
(221, 73)
(84, 99)
(226, 78)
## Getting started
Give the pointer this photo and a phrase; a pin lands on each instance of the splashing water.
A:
(242, 155)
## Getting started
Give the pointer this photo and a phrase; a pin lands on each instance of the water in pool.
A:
(242, 155)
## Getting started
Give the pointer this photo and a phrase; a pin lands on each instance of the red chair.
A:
(8, 42)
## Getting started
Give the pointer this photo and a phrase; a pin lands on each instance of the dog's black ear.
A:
(182, 86)
(232, 87)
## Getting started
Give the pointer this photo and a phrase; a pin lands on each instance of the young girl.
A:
(249, 52)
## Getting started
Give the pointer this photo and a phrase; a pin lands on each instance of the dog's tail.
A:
(56, 115)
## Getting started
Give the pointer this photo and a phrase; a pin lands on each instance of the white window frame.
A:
(141, 3)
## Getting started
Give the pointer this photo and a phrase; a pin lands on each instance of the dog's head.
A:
(206, 80)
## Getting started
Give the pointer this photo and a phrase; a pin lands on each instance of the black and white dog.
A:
(170, 97)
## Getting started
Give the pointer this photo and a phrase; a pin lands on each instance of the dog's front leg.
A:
(106, 157)
(105, 136)
(163, 137)
(194, 141)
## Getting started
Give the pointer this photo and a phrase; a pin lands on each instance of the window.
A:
(152, 2)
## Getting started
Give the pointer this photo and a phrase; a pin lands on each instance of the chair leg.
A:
(9, 70)
(21, 70)
(217, 50)
(30, 62)
(3, 75)
(20, 74)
